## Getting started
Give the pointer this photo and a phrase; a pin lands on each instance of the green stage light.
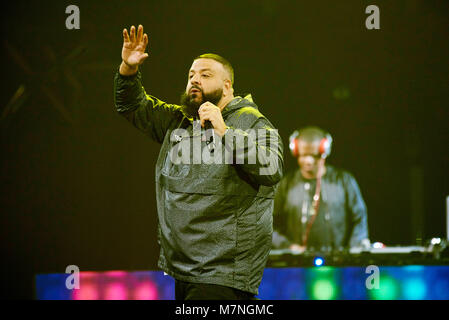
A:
(324, 290)
(388, 289)
(323, 271)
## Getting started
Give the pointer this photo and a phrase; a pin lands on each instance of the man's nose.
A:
(309, 160)
(195, 79)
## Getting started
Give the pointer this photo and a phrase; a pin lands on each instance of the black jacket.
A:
(342, 215)
(215, 220)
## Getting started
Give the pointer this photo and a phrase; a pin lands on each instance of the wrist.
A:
(221, 132)
(127, 70)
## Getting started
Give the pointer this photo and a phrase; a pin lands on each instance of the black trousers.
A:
(204, 291)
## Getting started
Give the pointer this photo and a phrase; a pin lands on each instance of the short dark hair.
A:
(311, 134)
(227, 66)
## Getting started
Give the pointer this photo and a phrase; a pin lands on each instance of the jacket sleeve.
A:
(257, 151)
(280, 216)
(357, 210)
(147, 113)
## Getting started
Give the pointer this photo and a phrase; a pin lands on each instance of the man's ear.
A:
(228, 86)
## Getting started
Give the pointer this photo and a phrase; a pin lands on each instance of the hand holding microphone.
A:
(211, 118)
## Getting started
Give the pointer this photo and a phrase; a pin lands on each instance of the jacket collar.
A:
(239, 102)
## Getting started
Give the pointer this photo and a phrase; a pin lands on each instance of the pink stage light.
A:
(115, 291)
(86, 291)
(84, 275)
(146, 291)
(115, 274)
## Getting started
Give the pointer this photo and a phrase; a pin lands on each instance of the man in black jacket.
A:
(214, 188)
(341, 217)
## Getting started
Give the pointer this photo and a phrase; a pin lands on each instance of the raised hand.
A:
(133, 52)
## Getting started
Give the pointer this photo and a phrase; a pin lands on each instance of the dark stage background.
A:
(78, 179)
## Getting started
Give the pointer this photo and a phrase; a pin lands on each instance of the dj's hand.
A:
(209, 111)
(133, 51)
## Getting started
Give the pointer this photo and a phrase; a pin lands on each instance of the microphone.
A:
(210, 137)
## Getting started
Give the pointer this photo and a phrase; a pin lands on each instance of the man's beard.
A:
(190, 106)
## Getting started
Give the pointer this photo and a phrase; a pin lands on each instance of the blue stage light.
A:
(318, 261)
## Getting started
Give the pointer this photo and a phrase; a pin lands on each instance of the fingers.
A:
(207, 106)
(139, 33)
(133, 34)
(206, 116)
(203, 117)
(144, 56)
(205, 112)
(145, 40)
(125, 35)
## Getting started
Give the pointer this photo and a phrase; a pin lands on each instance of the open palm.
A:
(133, 52)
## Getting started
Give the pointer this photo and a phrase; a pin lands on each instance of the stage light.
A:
(388, 290)
(146, 291)
(86, 292)
(318, 261)
(414, 289)
(435, 241)
(324, 289)
(378, 245)
(115, 291)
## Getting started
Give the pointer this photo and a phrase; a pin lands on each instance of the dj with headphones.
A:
(318, 207)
